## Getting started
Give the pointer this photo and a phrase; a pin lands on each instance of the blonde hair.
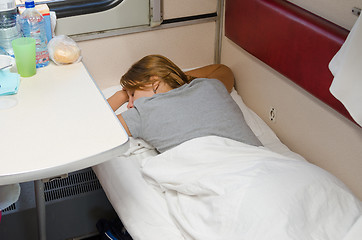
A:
(141, 73)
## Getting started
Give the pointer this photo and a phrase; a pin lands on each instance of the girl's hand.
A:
(118, 99)
(123, 94)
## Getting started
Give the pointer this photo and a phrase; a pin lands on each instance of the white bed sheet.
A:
(142, 206)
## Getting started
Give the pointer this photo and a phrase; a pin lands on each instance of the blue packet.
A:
(9, 82)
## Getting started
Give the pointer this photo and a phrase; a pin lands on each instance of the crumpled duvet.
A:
(216, 188)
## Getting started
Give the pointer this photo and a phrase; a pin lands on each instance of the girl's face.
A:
(133, 95)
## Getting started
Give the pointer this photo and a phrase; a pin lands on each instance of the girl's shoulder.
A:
(206, 82)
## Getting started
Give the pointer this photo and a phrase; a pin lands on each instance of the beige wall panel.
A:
(177, 8)
(108, 58)
(306, 125)
(337, 11)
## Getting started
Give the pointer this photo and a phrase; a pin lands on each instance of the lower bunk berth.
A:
(217, 188)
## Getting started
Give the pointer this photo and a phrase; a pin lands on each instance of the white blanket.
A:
(216, 188)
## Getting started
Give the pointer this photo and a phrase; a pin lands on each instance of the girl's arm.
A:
(124, 124)
(217, 71)
(117, 100)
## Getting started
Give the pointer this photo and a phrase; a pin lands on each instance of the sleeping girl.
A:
(167, 107)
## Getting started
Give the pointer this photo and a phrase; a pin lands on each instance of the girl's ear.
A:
(155, 86)
(155, 83)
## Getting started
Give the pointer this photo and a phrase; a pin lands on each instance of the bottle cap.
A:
(29, 4)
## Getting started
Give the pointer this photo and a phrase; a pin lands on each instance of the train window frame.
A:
(70, 8)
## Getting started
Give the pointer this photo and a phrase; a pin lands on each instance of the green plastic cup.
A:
(24, 51)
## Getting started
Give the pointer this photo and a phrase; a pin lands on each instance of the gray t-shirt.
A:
(201, 108)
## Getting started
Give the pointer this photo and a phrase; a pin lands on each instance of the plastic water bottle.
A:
(33, 25)
(9, 29)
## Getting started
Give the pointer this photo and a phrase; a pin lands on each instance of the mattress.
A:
(151, 196)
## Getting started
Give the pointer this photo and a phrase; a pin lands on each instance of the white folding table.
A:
(60, 123)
